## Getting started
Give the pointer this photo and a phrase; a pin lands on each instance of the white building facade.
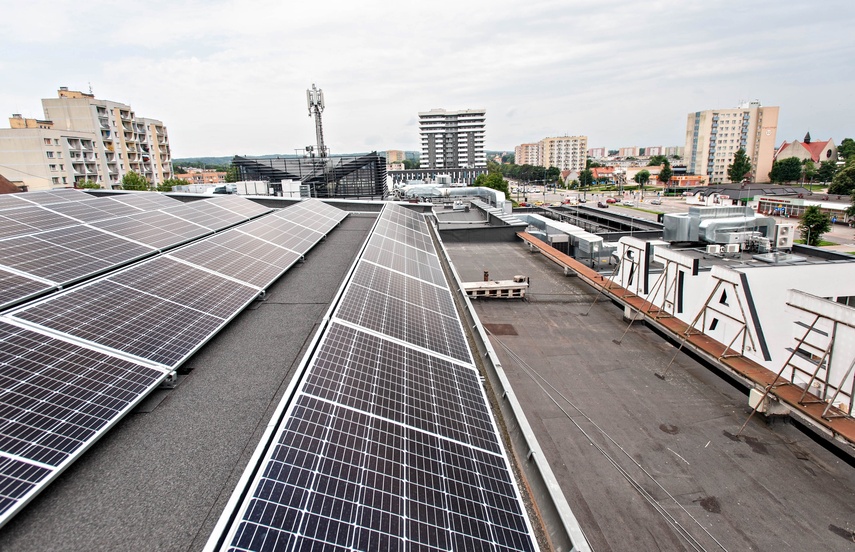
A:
(452, 139)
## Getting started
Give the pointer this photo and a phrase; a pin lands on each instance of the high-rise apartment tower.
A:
(452, 139)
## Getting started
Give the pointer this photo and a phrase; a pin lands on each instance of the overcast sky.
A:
(230, 77)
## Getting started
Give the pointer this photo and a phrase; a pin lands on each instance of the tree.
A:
(493, 180)
(169, 183)
(827, 170)
(665, 173)
(87, 184)
(808, 170)
(591, 164)
(846, 150)
(232, 173)
(657, 160)
(410, 164)
(642, 177)
(553, 174)
(813, 224)
(843, 182)
(134, 181)
(740, 167)
(586, 178)
(786, 170)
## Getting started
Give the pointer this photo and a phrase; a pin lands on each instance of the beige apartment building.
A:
(83, 138)
(715, 135)
(527, 154)
(568, 153)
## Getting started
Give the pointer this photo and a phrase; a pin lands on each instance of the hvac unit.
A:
(714, 250)
(731, 248)
(784, 234)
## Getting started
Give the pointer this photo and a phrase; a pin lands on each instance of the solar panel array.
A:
(74, 363)
(388, 442)
(55, 238)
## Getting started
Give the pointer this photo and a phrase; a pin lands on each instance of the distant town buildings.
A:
(715, 135)
(597, 153)
(83, 138)
(199, 176)
(452, 139)
(823, 150)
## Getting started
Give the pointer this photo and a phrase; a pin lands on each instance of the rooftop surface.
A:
(160, 479)
(644, 460)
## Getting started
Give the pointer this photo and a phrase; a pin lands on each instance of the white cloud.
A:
(230, 77)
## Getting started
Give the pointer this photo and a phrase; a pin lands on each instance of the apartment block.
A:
(41, 157)
(99, 140)
(715, 135)
(631, 151)
(527, 154)
(597, 153)
(452, 139)
(568, 153)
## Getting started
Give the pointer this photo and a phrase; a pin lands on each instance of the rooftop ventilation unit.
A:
(784, 235)
(731, 248)
(713, 250)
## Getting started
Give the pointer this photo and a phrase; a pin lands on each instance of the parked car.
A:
(656, 201)
(611, 200)
(628, 204)
(602, 205)
(583, 200)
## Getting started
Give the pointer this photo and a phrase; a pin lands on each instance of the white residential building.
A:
(452, 139)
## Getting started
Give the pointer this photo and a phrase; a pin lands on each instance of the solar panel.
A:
(388, 442)
(90, 210)
(219, 217)
(55, 399)
(259, 267)
(48, 261)
(146, 201)
(10, 228)
(38, 219)
(156, 229)
(15, 288)
(194, 212)
(409, 260)
(242, 206)
(11, 201)
(48, 197)
(256, 248)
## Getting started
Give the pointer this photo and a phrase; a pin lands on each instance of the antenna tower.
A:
(315, 99)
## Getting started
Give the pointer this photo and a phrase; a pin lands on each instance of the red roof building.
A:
(824, 150)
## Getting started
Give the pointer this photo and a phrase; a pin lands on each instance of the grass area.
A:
(822, 243)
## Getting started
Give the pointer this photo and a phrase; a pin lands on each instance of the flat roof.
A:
(161, 478)
(631, 450)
